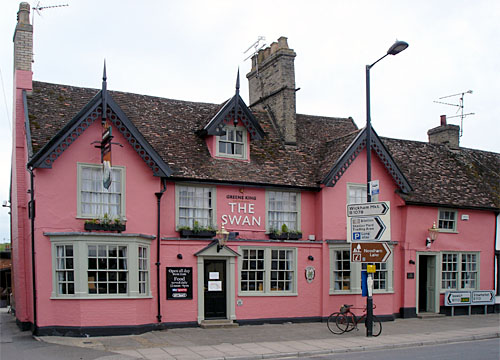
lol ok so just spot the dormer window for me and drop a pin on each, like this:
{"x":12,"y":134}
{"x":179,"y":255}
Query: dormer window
{"x":234,"y":143}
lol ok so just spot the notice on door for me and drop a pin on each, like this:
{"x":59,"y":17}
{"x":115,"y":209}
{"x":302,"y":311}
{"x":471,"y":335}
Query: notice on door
{"x":179,"y":283}
{"x":215,"y":286}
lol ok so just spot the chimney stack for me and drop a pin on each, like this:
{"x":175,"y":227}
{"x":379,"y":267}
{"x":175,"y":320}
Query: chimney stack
{"x":272,"y":86}
{"x":23,"y":39}
{"x":445,"y":134}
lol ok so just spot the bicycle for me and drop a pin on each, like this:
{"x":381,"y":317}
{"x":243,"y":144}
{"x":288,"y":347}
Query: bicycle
{"x":346,"y":320}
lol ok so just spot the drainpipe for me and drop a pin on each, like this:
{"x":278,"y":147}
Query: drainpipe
{"x":158,"y":240}
{"x":31,"y":213}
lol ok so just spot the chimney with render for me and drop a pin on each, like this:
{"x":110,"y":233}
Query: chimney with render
{"x":445,"y":134}
{"x":272,"y":86}
{"x":23,"y":39}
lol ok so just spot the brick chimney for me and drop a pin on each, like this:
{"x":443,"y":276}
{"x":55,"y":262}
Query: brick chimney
{"x":23,"y":39}
{"x":445,"y":134}
{"x":272,"y":86}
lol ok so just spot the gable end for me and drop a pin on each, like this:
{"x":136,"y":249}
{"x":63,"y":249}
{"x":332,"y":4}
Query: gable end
{"x":352,"y":152}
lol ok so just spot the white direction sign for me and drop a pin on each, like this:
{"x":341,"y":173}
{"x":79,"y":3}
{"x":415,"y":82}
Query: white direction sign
{"x":369,"y":222}
{"x":368,"y":209}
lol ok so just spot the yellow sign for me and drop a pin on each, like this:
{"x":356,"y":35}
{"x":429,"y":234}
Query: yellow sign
{"x":370,"y":268}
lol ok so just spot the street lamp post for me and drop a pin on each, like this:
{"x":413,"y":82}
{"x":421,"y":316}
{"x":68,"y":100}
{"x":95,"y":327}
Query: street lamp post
{"x":395,"y":49}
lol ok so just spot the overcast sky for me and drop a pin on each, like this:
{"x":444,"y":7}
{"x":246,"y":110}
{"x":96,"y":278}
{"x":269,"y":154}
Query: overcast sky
{"x":191,"y":50}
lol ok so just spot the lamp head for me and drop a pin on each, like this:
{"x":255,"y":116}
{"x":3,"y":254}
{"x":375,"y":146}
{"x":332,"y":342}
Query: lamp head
{"x":397,"y":47}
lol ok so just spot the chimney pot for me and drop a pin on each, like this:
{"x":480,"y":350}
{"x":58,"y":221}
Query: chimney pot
{"x":443,"y":120}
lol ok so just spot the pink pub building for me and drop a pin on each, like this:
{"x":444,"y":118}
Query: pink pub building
{"x":132,"y":213}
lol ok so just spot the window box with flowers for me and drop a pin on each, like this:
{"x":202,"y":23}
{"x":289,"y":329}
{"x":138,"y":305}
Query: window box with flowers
{"x":284,"y":234}
{"x":105,"y":223}
{"x":197,"y":231}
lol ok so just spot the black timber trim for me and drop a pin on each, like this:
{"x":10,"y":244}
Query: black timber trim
{"x":136,"y":140}
{"x":48,"y":153}
{"x":216,"y":124}
{"x":84,"y":119}
{"x":85,"y":331}
{"x":352,"y":152}
{"x":27,"y":124}
{"x":407,"y":312}
{"x":243,"y":184}
{"x":451,"y":206}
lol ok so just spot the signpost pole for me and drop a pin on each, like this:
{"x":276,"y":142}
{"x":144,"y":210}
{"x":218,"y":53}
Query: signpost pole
{"x":368,"y":129}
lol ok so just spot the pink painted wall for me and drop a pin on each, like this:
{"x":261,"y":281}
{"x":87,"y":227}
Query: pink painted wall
{"x":333,"y":226}
{"x":21,"y":233}
{"x":57,"y":210}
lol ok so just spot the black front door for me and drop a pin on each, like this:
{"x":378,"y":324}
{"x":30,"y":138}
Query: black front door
{"x":215,"y":289}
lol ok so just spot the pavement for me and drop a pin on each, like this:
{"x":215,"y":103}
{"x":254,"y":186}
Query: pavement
{"x":275,"y":341}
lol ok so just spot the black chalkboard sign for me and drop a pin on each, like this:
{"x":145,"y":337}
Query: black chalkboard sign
{"x":179,"y":283}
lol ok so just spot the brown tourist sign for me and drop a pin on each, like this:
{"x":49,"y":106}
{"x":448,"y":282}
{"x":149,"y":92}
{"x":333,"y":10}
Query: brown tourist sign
{"x":370,"y":252}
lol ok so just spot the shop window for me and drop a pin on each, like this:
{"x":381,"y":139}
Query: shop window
{"x":345,"y":277}
{"x":447,"y":220}
{"x":195,"y":206}
{"x":95,"y":267}
{"x":283,"y":208}
{"x":94,"y":200}
{"x":268,"y":271}
{"x":459,"y":271}
{"x":234,"y":143}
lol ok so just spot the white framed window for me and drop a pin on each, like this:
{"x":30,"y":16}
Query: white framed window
{"x":345,"y":277}
{"x":93,"y":199}
{"x":107,"y":270}
{"x":100,"y":266}
{"x":447,"y":220}
{"x":449,"y":271}
{"x":268,"y":271}
{"x":342,"y":275}
{"x":356,"y":193}
{"x":380,"y":276}
{"x":234,"y":143}
{"x":143,"y":270}
{"x":459,"y":271}
{"x":65,"y":270}
{"x":283,"y":208}
{"x":195,"y":206}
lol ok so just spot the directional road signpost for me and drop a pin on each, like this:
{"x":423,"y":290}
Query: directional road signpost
{"x":370,"y":252}
{"x":369,"y":222}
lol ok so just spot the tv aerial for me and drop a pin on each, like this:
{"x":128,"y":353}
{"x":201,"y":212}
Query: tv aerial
{"x":460,"y":107}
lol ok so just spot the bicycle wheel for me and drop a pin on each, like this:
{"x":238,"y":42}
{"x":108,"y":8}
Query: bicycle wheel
{"x":345,"y":322}
{"x":377,"y":326}
{"x":332,"y":323}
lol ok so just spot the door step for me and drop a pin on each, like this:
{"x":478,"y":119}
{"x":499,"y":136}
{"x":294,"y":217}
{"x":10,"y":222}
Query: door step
{"x":429,"y":315}
{"x":223,"y":323}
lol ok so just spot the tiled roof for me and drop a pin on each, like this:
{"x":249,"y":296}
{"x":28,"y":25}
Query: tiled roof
{"x":467,"y":178}
{"x":170,"y":127}
{"x":439,"y":175}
